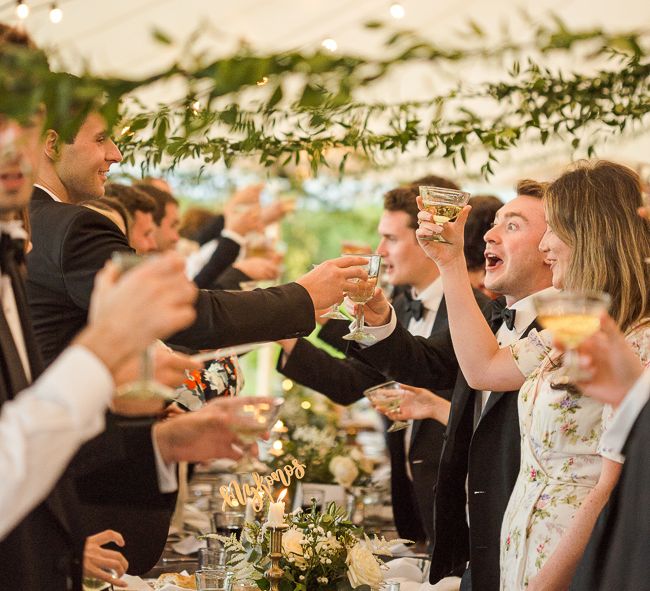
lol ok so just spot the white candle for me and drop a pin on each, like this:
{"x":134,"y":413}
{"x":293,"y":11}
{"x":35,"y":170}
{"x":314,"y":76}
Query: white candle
{"x":276,"y":514}
{"x":250,"y":511}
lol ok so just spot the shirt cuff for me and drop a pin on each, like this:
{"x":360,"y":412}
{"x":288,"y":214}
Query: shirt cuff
{"x":234,"y":236}
{"x":167,"y":478}
{"x":613,"y":440}
{"x":380,"y":332}
{"x":77,"y":367}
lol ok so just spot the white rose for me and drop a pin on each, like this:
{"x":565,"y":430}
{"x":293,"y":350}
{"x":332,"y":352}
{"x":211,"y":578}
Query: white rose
{"x":292,"y":542}
{"x":363,"y":568}
{"x":344,"y":470}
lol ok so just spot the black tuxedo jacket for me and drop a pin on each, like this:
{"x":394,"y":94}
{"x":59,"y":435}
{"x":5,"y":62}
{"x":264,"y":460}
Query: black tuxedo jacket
{"x":344,"y":380}
{"x":488,"y":458}
{"x":71,"y":243}
{"x":617,"y":554}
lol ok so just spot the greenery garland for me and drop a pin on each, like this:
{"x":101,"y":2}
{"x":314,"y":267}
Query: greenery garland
{"x":532,"y":103}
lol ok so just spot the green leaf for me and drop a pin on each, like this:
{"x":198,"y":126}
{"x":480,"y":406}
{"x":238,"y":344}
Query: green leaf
{"x":162,"y":37}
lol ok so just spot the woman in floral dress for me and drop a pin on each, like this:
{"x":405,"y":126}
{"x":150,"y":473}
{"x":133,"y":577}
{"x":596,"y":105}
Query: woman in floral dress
{"x":594,"y":242}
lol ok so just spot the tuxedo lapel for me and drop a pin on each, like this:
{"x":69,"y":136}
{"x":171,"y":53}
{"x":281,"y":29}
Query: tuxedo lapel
{"x":12,"y":367}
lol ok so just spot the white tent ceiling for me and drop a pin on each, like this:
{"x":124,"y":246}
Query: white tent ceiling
{"x":114,"y":36}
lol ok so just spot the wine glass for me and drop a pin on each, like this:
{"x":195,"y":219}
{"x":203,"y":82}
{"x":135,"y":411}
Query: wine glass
{"x":347,"y":247}
{"x":444,"y":205}
{"x":385,"y":398}
{"x":256,"y":417}
{"x":144,"y":396}
{"x":360,"y":291}
{"x":572,"y":317}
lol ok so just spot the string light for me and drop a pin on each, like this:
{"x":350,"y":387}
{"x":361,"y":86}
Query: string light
{"x":22,"y":10}
{"x":397,"y":10}
{"x":263,"y":81}
{"x":56,"y":14}
{"x":330,"y":44}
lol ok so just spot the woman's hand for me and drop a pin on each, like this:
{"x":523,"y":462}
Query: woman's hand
{"x":103,"y":564}
{"x":453,"y":232}
{"x":420,"y":403}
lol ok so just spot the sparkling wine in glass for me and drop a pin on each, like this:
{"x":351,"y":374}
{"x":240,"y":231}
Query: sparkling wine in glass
{"x":256,"y":417}
{"x":443,"y":204}
{"x":347,"y":247}
{"x":360,"y":291}
{"x":145,"y":396}
{"x":385,"y":398}
{"x":572,"y":317}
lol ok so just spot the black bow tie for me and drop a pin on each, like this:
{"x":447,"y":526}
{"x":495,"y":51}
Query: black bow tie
{"x":505,"y":315}
{"x":12,"y":251}
{"x":413,"y":306}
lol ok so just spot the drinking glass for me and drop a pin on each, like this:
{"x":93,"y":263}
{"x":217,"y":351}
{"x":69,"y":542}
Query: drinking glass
{"x":572,"y":317}
{"x":211,"y":558}
{"x":256,"y":418}
{"x":385,"y":398}
{"x":145,"y":396}
{"x":360,"y":291}
{"x":347,"y":247}
{"x":226,"y":523}
{"x":444,"y":205}
{"x":213,"y":579}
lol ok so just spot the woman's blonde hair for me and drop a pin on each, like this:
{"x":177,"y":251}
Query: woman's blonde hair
{"x":593,"y":209}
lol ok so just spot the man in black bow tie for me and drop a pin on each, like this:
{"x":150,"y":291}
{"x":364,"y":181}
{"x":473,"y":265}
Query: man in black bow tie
{"x":420,"y":309}
{"x":481,"y":450}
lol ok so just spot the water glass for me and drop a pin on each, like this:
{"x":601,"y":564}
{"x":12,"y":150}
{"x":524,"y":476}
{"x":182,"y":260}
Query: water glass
{"x":211,"y":558}
{"x":213,"y":579}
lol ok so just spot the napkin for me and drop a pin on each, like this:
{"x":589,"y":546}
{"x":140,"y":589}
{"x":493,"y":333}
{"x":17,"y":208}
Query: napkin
{"x":404,"y":569}
{"x":188,"y":545}
{"x":196,"y":519}
{"x":135,"y":583}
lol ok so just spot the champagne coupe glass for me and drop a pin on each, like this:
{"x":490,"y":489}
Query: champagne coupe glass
{"x":385,"y":398}
{"x":256,"y":417}
{"x":572,"y":317}
{"x":145,"y":396}
{"x":347,"y":247}
{"x":360,"y":291}
{"x":444,"y":205}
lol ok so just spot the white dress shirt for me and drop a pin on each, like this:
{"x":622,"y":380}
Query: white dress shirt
{"x":614,"y":438}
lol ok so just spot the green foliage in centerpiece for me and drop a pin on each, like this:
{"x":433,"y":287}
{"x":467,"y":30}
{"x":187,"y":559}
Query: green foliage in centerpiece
{"x":320,"y":551}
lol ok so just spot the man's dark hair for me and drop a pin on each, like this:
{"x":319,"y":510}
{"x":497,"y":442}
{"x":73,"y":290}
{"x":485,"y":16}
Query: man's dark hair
{"x":161,"y":198}
{"x":531,"y":188}
{"x":404,"y":198}
{"x":15,"y":36}
{"x":131,"y":198}
{"x":484,"y":208}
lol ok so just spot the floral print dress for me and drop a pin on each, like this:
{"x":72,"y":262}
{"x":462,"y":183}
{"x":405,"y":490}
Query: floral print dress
{"x":560,"y":458}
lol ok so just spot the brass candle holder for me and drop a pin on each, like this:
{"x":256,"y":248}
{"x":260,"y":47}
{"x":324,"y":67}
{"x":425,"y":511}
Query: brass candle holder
{"x":275,"y":571}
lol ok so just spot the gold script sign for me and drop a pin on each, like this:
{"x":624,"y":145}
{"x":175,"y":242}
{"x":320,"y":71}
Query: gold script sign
{"x":235,"y":495}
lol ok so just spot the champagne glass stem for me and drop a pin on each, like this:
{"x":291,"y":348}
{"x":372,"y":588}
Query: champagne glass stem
{"x":360,"y":319}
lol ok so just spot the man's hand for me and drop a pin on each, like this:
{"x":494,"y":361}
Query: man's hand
{"x":242,"y":214}
{"x":277,"y":210}
{"x":169,"y":367}
{"x":103,"y":564}
{"x":610,"y":362}
{"x":129,"y":311}
{"x":258,"y":268}
{"x":208,"y":433}
{"x":326,"y":283}
{"x":452,"y":232}
{"x":376,"y":311}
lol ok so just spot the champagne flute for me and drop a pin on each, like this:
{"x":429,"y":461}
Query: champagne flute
{"x":347,"y":247}
{"x":144,"y":396}
{"x":572,"y":317}
{"x":385,"y":398}
{"x":360,"y":291}
{"x":444,"y":205}
{"x":256,"y":418}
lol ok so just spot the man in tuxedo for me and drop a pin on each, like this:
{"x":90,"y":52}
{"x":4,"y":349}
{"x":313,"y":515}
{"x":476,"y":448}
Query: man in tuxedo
{"x":481,"y":449}
{"x":166,"y":216}
{"x":420,"y":308}
{"x":42,"y":425}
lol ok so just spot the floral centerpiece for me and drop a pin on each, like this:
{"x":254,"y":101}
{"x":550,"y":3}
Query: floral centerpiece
{"x":320,"y":551}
